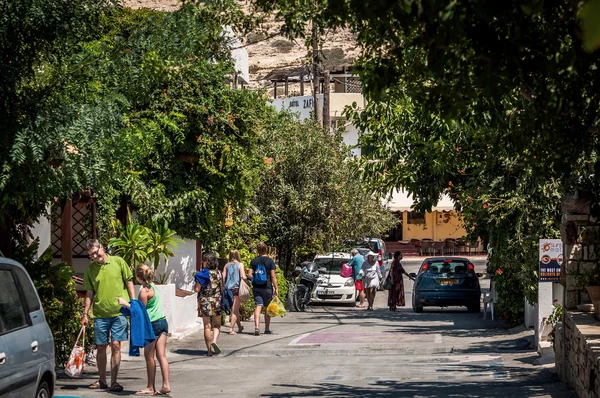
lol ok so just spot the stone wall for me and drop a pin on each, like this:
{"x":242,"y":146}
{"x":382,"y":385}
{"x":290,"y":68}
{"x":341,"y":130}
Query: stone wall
{"x":579,"y":232}
{"x":579,"y":367}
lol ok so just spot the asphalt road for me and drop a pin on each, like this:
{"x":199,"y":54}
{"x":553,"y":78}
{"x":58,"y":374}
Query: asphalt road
{"x":349,"y":352}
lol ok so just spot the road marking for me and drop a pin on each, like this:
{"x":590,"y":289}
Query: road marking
{"x":362,"y":338}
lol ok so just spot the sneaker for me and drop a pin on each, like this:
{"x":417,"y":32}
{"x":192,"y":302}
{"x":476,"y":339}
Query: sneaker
{"x":268,"y":332}
{"x":216,"y":349}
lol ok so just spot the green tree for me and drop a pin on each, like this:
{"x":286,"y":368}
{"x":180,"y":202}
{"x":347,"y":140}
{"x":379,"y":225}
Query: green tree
{"x":310,"y":193}
{"x":36,"y":36}
{"x":191,"y":140}
{"x":496,"y":104}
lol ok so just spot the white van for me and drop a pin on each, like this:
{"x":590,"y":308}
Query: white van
{"x":26,"y":343}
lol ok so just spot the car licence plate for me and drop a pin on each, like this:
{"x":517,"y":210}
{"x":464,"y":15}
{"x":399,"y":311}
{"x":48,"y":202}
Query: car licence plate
{"x":326,"y":292}
{"x":447,"y":281}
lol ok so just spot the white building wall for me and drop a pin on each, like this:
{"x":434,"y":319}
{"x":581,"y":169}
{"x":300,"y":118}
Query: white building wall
{"x":350,"y":137}
{"x":42,"y":229}
{"x":182,"y":266}
{"x":239,"y":55}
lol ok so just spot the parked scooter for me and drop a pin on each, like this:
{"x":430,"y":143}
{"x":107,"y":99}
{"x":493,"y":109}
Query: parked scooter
{"x":307,"y":278}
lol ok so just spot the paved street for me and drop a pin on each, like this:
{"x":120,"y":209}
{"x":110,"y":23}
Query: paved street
{"x":349,"y":352}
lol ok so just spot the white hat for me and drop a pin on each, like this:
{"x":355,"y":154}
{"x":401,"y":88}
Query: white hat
{"x":370,"y":253}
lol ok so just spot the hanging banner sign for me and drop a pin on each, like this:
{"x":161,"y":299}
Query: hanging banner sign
{"x":551,"y":259}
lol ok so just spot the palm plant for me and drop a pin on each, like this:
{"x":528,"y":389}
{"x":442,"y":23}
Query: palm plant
{"x":162,"y":241}
{"x":132,"y":242}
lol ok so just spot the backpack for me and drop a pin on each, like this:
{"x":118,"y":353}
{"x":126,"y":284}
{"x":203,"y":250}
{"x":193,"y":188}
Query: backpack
{"x":260,"y":275}
{"x":346,"y":271}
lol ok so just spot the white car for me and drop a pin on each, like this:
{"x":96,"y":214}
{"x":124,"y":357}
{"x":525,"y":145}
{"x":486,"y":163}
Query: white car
{"x":331,"y":287}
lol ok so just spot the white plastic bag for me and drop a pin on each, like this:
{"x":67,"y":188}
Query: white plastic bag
{"x":74,"y":366}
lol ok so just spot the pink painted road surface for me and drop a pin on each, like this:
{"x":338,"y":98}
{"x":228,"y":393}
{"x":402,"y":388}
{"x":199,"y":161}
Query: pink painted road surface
{"x":362,"y":338}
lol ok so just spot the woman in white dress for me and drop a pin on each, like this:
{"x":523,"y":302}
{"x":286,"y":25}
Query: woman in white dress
{"x":371,"y":277}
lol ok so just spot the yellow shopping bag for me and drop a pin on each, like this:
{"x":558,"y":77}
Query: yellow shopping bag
{"x":276,"y":307}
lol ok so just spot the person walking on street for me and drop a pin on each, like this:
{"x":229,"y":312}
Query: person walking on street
{"x":233,"y":274}
{"x":264,"y":285}
{"x":371,"y":277}
{"x":396,"y":293}
{"x":106,"y":278}
{"x":151,"y":299}
{"x":209,"y":303}
{"x":356,"y":264}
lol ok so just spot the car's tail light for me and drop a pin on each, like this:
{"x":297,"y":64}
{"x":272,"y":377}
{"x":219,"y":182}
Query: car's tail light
{"x":380,"y":255}
{"x":447,"y":261}
{"x":425,"y":267}
{"x":471,"y":267}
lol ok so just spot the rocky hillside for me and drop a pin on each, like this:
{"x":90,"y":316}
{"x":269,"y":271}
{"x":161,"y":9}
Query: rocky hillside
{"x":277,"y":52}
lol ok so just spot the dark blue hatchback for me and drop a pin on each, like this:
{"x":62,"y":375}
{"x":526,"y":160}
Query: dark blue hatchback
{"x":446,"y":281}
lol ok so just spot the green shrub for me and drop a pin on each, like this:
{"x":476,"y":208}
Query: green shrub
{"x":56,"y":288}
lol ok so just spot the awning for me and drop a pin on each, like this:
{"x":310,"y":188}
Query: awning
{"x":400,"y":200}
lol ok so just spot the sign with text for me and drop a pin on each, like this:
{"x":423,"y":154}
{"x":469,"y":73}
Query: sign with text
{"x":301,"y":105}
{"x":551,"y":258}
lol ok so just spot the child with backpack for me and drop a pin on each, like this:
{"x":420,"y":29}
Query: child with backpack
{"x":264,"y":285}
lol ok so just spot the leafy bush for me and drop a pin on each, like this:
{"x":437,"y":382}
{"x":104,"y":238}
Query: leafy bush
{"x":56,"y":288}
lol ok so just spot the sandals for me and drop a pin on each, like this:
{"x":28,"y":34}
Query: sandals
{"x":116,"y":387}
{"x":240,"y":329}
{"x":98,"y":385}
{"x":257,"y":332}
{"x":215,"y":347}
{"x":268,"y":332}
{"x":232,"y":332}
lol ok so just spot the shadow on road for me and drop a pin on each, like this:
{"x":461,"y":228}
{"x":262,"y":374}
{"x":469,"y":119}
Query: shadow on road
{"x":527,"y":385}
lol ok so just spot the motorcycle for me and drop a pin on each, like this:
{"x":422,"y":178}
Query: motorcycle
{"x":307,"y":278}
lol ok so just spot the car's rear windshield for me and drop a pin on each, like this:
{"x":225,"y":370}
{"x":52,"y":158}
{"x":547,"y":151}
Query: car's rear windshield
{"x":447,"y":267}
{"x":333,"y":265}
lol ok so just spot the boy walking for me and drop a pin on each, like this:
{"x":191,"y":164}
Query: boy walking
{"x":264,"y":285}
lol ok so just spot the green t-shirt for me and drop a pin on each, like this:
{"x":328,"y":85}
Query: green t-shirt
{"x":108,"y":281}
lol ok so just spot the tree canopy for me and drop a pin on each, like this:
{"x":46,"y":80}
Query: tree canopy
{"x":495,"y":104}
{"x":311,"y":196}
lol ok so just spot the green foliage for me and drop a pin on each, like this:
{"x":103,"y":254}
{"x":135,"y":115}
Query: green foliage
{"x":299,"y":204}
{"x":590,"y":23}
{"x":56,"y":288}
{"x":137,"y":110}
{"x":554,"y":318}
{"x":496,"y":106}
{"x":138,"y":243}
{"x":38,"y":35}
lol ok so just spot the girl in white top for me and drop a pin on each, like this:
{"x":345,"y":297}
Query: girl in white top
{"x":371,"y":277}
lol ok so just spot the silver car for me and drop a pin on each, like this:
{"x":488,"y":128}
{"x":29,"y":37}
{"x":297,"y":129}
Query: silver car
{"x":26,"y":343}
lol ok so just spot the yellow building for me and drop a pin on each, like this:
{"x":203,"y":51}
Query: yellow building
{"x":439,"y":224}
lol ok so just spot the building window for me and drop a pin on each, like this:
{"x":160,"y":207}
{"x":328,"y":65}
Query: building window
{"x":415,"y":217}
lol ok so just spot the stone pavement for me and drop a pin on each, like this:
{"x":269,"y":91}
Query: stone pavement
{"x":349,"y":352}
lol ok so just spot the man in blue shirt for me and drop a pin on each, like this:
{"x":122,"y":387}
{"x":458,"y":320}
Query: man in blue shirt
{"x":356,"y":263}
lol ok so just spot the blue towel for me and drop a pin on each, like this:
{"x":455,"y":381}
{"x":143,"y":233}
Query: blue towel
{"x":227,"y":301}
{"x":141,"y":333}
{"x":202,"y":277}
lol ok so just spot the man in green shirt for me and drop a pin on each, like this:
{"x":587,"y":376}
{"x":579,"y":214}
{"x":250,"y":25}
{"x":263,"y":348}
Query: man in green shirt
{"x":107,"y":278}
